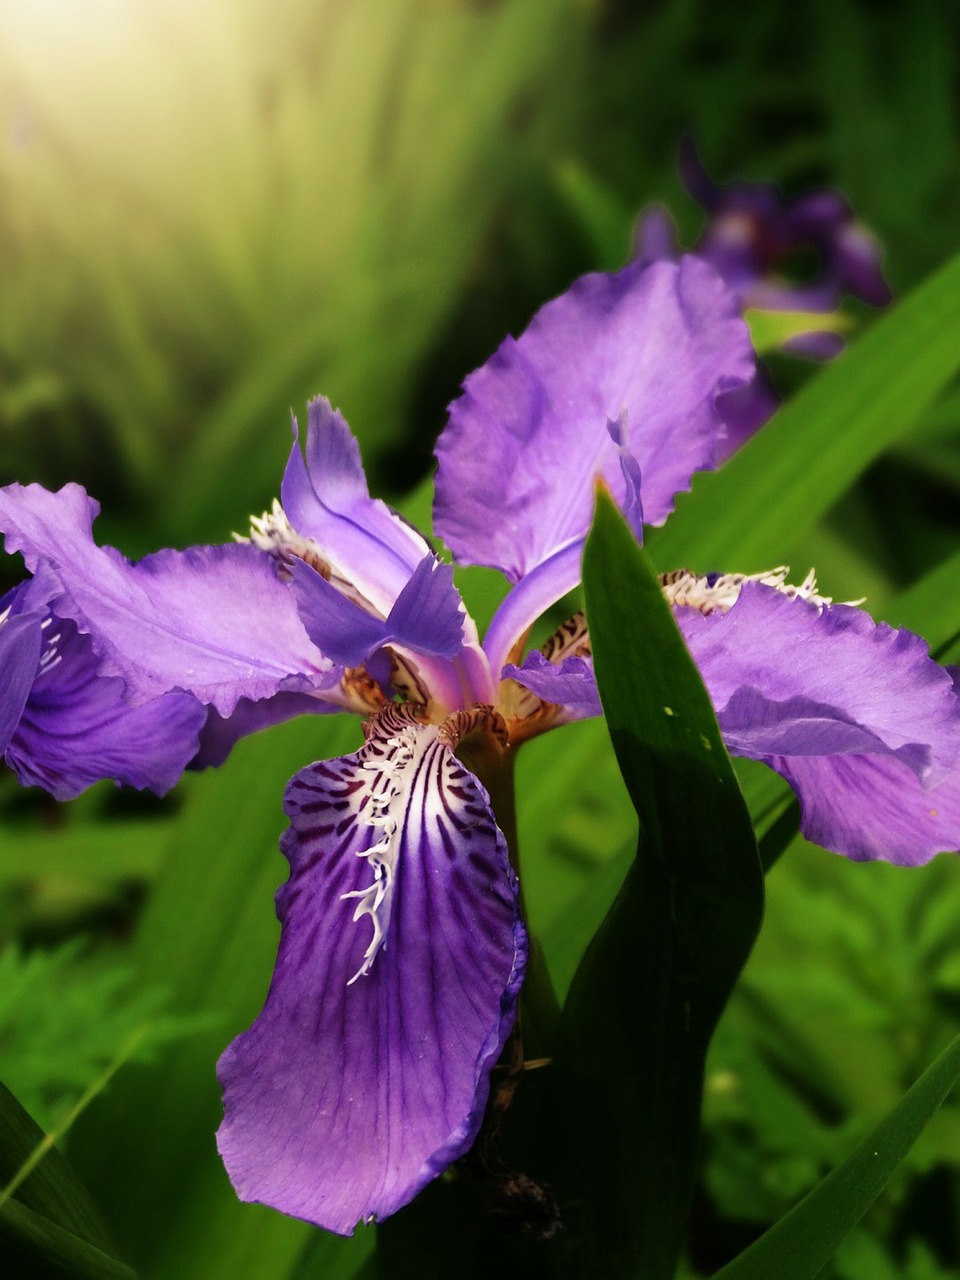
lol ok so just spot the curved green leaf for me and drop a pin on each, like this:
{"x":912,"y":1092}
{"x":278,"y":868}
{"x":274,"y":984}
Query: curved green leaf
{"x":628,"y":1069}
{"x":37,"y":1249}
{"x":52,"y":1228}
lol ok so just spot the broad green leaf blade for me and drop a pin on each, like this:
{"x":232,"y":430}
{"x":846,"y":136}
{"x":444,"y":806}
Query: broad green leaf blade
{"x":34,"y":1248}
{"x":96,"y":850}
{"x":49,"y":1226}
{"x":747,"y":515}
{"x":628,"y":1069}
{"x":804,"y":1241}
{"x":51,"y":1189}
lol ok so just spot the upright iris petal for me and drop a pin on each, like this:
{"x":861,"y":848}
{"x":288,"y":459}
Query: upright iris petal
{"x":649,"y":350}
{"x":326,"y":500}
{"x":401,"y":957}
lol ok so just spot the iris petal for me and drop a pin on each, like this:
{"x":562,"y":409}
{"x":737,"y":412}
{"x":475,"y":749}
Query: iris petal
{"x":75,"y":726}
{"x":325,"y":498}
{"x":651,"y":347}
{"x":427,"y":616}
{"x":212,"y":621}
{"x":873,"y":807}
{"x":20,"y":642}
{"x":570,"y":684}
{"x":400,"y":962}
{"x":837,"y":703}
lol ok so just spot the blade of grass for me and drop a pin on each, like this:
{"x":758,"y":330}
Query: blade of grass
{"x":803,"y":1242}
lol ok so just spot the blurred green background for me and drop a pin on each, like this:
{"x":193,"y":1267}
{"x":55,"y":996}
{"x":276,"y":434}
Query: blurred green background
{"x":209,"y":212}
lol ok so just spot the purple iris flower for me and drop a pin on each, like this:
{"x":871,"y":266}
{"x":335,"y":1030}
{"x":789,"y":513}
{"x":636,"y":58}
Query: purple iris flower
{"x":403,"y":949}
{"x":752,"y":234}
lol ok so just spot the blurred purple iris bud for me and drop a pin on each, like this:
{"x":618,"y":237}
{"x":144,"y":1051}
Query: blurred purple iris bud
{"x":402,"y":949}
{"x":752,"y":233}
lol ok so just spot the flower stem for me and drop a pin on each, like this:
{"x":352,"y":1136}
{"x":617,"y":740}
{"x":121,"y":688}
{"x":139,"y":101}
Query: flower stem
{"x":539,"y":1007}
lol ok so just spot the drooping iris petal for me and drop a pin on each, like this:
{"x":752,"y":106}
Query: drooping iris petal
{"x":570,"y":684}
{"x":427,"y":616}
{"x":870,"y":806}
{"x":813,"y":692}
{"x":326,"y":499}
{"x":400,"y":962}
{"x":76,"y":727}
{"x":213,"y":621}
{"x":21,"y":639}
{"x":650,"y":348}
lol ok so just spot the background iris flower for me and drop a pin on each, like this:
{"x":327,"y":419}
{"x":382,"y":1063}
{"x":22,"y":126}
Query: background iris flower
{"x":757,"y":237}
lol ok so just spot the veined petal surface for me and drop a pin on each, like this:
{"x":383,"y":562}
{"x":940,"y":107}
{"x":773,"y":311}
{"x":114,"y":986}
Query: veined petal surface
{"x":326,"y":499}
{"x":214,"y":621}
{"x":873,"y":807}
{"x":649,"y":348}
{"x":401,"y":957}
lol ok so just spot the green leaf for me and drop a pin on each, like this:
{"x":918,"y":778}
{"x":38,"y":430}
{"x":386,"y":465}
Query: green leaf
{"x":52,"y":1228}
{"x":804,"y":1241}
{"x":771,"y":329}
{"x":749,"y":514}
{"x":36,"y":1249}
{"x":605,"y":218}
{"x":628,"y":1069}
{"x":96,"y":850}
{"x":931,"y":607}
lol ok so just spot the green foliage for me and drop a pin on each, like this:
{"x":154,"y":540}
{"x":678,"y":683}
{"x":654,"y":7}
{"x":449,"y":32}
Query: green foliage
{"x":291,"y":205}
{"x":65,"y":1016}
